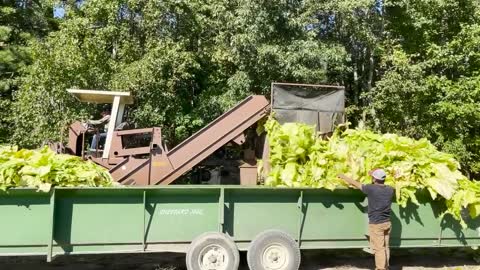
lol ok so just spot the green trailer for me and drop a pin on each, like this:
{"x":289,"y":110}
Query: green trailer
{"x":211,"y":224}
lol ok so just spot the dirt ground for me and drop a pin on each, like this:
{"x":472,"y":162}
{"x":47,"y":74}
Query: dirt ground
{"x":312,"y":260}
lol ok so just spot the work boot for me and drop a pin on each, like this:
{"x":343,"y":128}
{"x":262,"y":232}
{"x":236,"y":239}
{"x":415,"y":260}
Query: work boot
{"x":369,"y":250}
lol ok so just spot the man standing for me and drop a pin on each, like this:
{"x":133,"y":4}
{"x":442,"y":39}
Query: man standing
{"x":379,"y":207}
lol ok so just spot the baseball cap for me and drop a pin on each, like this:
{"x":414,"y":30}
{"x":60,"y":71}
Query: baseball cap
{"x":378,"y":174}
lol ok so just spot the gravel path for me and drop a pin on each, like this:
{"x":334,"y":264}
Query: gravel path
{"x":317,"y":260}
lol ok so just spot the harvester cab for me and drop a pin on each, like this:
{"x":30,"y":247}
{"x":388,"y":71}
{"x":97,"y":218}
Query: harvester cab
{"x":78,"y":130}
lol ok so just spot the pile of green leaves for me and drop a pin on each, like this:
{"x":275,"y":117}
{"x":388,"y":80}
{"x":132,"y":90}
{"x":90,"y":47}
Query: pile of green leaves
{"x":43,"y":169}
{"x":300,"y":158}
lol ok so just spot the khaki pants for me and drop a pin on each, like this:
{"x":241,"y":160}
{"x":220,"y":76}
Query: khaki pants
{"x":379,"y":242}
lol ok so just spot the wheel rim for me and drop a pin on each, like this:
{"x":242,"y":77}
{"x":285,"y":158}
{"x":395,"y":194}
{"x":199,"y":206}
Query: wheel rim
{"x":275,"y":257}
{"x":213,"y":257}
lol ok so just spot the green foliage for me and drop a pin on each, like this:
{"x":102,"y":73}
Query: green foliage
{"x":20,"y":23}
{"x":43,"y":169}
{"x":300,"y":158}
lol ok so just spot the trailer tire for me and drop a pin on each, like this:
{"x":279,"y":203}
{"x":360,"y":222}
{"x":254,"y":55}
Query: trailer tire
{"x":273,"y":250}
{"x":212,"y":250}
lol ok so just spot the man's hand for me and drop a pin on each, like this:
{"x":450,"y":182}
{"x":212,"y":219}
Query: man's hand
{"x":89,"y":128}
{"x":350,"y":181}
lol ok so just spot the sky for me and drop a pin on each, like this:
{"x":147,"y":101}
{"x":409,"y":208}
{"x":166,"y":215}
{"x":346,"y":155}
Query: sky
{"x":59,"y":9}
{"x":59,"y":12}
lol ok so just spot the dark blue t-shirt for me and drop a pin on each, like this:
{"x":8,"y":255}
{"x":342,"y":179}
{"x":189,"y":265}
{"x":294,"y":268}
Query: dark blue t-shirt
{"x":379,"y":202}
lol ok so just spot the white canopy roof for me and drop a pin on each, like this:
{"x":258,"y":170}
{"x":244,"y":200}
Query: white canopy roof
{"x":98,"y":96}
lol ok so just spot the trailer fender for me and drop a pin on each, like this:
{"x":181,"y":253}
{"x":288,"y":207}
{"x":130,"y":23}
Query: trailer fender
{"x":273,"y":250}
{"x":212,"y":251}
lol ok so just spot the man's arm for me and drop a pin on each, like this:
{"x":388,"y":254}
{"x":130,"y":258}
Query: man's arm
{"x":99,"y":122}
{"x":349,"y":180}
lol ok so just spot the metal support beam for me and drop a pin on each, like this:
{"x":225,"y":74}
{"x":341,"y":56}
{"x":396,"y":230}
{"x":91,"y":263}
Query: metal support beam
{"x":221,"y":210}
{"x":301,"y":219}
{"x":111,"y":126}
{"x":52,"y":226}
{"x":144,"y":238}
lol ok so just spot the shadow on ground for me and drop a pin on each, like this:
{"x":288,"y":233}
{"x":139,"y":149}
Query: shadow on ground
{"x":440,"y":258}
{"x":152,"y":261}
{"x":434,"y":258}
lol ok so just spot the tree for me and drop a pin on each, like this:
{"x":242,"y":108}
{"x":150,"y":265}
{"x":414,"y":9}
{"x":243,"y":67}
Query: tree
{"x":435,"y":95}
{"x":20,"y":23}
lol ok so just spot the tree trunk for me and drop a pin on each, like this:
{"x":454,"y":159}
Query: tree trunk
{"x":355,"y":80}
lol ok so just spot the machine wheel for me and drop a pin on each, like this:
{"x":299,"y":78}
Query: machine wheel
{"x":273,"y":250}
{"x":212,"y":251}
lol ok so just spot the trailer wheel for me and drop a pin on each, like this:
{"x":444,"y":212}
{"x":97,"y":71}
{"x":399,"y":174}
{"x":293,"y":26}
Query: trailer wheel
{"x":212,"y":251}
{"x":273,"y":250}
